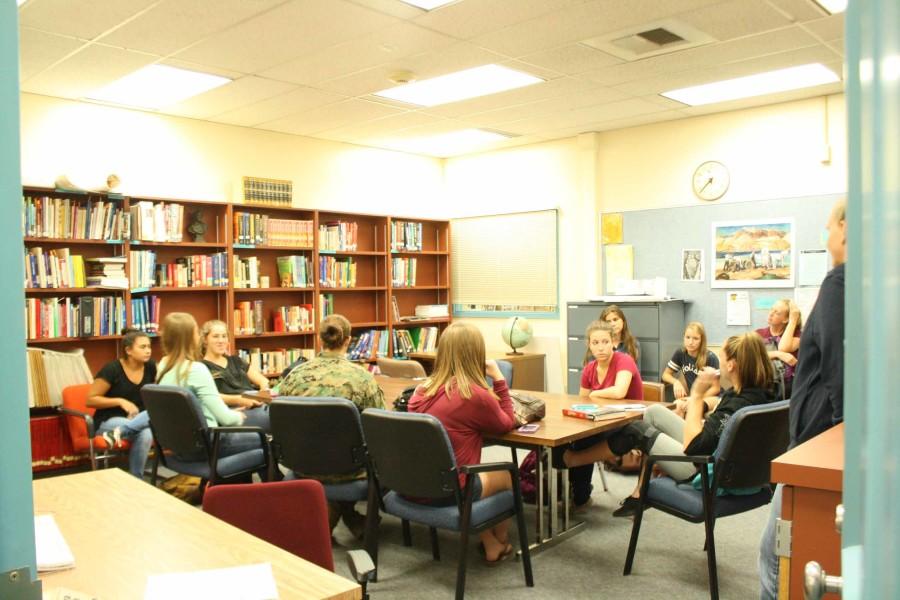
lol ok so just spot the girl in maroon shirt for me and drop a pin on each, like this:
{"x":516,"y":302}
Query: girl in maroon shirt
{"x":457,"y":394}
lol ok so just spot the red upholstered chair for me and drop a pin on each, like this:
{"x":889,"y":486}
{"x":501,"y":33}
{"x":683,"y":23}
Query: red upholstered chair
{"x":292,"y":515}
{"x":80,"y":423}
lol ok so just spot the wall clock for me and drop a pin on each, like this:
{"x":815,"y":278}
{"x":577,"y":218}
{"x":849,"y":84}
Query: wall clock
{"x":710,"y":181}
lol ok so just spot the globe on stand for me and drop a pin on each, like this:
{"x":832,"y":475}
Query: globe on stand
{"x":516,"y":332}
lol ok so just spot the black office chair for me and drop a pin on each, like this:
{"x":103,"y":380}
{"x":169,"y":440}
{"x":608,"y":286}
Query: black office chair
{"x":753,"y":437}
{"x":318,"y":437}
{"x":411,"y":455}
{"x":186,"y":444}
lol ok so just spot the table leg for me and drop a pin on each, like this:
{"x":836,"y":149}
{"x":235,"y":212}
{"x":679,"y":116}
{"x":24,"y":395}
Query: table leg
{"x":565,"y":487}
{"x":553,"y":521}
{"x":539,"y":496}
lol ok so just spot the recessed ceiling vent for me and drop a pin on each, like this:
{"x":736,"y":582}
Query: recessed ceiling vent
{"x":650,"y":39}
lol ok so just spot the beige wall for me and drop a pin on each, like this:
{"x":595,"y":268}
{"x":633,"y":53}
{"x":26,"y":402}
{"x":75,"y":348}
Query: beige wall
{"x":174,"y":157}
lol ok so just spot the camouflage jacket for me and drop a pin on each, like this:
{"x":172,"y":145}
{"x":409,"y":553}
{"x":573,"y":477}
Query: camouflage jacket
{"x":331,"y":374}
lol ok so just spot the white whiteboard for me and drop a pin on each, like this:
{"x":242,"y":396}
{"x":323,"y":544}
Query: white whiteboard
{"x":505,"y":265}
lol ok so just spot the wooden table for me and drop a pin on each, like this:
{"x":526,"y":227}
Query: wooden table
{"x":528,"y":367}
{"x":812,"y":474}
{"x":555,"y":430}
{"x":121,"y":530}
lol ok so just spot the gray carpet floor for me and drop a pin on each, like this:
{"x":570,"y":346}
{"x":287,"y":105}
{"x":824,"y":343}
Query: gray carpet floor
{"x":670,"y":563}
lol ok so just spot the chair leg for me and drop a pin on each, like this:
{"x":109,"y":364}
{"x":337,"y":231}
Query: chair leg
{"x":435,"y":545}
{"x":407,"y":535}
{"x":523,"y":538}
{"x":632,"y":543}
{"x":155,"y":473}
{"x":710,"y":522}
{"x":465,"y":520}
{"x":602,"y":476}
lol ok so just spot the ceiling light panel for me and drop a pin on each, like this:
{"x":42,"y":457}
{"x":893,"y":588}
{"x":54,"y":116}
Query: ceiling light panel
{"x":771,"y":82}
{"x":833,"y":6}
{"x":157,"y":86}
{"x":462,"y":85}
{"x":428,"y":4}
{"x":452,"y":143}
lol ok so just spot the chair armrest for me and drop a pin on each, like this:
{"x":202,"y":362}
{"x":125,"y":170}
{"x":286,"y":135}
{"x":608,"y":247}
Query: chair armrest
{"x":361,"y":566}
{"x":88,"y":419}
{"x":264,"y":445}
{"x":705,"y":459}
{"x":237,"y":429}
{"x":487,"y":467}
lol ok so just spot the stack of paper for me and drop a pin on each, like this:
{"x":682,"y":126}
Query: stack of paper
{"x":53,"y":552}
{"x":251,"y":582}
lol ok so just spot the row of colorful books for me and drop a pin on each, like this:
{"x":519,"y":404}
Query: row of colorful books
{"x":68,"y":218}
{"x":248,"y":318}
{"x":54,"y":269}
{"x":84,"y":316}
{"x":146,"y":313}
{"x":338,"y":236}
{"x":273,"y":362}
{"x":157,"y":221}
{"x":255,"y":229}
{"x":406,"y":236}
{"x":369,"y":345}
{"x":293,"y":272}
{"x":198,"y":270}
{"x":326,"y":304}
{"x":403,"y":272}
{"x":337,"y":272}
{"x":292,"y":319}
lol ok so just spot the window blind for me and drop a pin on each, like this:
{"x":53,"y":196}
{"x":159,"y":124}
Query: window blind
{"x":506,"y":265}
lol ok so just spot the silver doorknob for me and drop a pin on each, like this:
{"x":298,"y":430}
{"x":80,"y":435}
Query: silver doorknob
{"x":816,"y":583}
{"x":839,"y":517}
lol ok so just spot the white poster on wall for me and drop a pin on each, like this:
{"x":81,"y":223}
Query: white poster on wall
{"x":737,"y":308}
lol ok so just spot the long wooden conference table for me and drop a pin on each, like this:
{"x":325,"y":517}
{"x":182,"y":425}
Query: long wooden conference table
{"x":121,"y":530}
{"x":552,"y":524}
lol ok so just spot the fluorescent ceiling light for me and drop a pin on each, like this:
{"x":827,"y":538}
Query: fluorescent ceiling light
{"x":20,"y":2}
{"x":428,"y":4}
{"x":156,"y":86}
{"x":471,"y":83}
{"x":771,"y":82}
{"x":833,"y":6}
{"x":448,"y":144}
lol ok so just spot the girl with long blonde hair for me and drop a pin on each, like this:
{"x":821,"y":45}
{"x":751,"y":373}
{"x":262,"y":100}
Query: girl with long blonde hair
{"x":457,"y":394}
{"x":689,"y":360}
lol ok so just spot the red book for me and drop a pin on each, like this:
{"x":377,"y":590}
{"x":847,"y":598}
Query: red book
{"x":601,"y":412}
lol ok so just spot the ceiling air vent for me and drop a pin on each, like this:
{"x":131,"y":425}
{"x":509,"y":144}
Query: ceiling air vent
{"x":650,"y":39}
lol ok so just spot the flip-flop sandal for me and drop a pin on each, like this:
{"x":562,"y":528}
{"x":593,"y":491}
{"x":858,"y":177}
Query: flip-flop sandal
{"x":507,"y":552}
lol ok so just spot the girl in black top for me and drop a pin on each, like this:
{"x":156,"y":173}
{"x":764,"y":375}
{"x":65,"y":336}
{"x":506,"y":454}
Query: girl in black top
{"x":232,"y":375}
{"x":116,"y":394}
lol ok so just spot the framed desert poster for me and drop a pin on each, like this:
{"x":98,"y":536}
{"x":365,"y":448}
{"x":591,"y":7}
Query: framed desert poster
{"x":753,"y":254}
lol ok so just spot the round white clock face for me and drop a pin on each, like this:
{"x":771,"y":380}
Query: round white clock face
{"x":711,"y":180}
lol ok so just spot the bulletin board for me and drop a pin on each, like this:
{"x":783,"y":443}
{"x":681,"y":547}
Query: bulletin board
{"x":660,"y":235}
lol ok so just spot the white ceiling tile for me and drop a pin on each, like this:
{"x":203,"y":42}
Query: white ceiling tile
{"x":827,"y":29}
{"x":192,"y":66}
{"x":701,"y":57}
{"x":285,"y":33}
{"x":239,"y":93}
{"x":572,"y":59}
{"x":330,"y":117}
{"x":735,"y":18}
{"x":423,"y":66}
{"x":175,"y":24}
{"x":557,"y":104}
{"x":837,"y":46}
{"x":39,"y":50}
{"x":379,"y":128}
{"x":635,"y":121}
{"x":395,"y":8}
{"x":387,"y":45}
{"x":85,"y":19}
{"x":87,"y":70}
{"x":580,"y":22}
{"x":468,"y":19}
{"x":291,"y":103}
{"x":799,"y":10}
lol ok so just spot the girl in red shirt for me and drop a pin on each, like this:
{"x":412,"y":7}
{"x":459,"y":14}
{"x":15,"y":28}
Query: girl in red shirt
{"x":457,"y":394}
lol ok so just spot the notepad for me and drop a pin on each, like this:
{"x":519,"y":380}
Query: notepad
{"x":53,"y":553}
{"x":629,"y":406}
{"x":250,"y":582}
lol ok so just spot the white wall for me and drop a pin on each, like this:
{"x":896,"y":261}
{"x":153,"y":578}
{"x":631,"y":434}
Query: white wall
{"x":173,"y":157}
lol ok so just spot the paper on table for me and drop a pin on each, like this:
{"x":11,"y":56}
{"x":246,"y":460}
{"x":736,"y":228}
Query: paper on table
{"x":629,"y":406}
{"x":53,"y":553}
{"x":250,"y":582}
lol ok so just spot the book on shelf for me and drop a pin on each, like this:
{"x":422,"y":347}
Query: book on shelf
{"x":248,"y":318}
{"x":337,"y":236}
{"x":424,"y":339}
{"x":199,"y":270}
{"x":403,"y":272}
{"x":406,"y":236}
{"x":145,"y":313}
{"x":591,"y":412}
{"x":263,"y":230}
{"x":433,"y":311}
{"x":57,"y":268}
{"x":143,"y":269}
{"x":272,"y":362}
{"x":246,"y":272}
{"x":395,"y":308}
{"x":75,"y":219}
{"x":84,"y":316}
{"x":337,"y":272}
{"x":326,"y":305}
{"x":293,"y":319}
{"x":369,"y":345}
{"x":49,"y":372}
{"x":294,"y":271}
{"x":157,"y":222}
{"x":403,"y":343}
{"x":108,"y":272}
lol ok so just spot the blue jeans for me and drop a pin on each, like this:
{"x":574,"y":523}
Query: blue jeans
{"x":235,"y":443}
{"x":137,"y":431}
{"x":258,"y":417}
{"x":768,"y":561}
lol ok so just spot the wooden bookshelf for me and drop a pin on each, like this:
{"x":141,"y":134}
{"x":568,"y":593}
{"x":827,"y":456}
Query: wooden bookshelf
{"x":367,"y":304}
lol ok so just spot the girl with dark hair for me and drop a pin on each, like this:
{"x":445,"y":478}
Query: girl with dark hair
{"x":116,"y":394}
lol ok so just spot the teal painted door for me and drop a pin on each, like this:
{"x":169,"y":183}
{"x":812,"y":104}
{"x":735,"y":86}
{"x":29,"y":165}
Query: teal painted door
{"x":871,"y":532}
{"x":16,"y":511}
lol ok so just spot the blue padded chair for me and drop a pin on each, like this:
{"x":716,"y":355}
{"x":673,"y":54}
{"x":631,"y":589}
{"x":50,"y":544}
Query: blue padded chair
{"x":753,"y":437}
{"x":506,"y":368}
{"x":321,"y":436}
{"x":411,"y":455}
{"x":187,"y":445}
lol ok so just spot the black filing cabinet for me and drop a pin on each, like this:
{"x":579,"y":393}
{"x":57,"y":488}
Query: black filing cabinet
{"x":658,"y":326}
